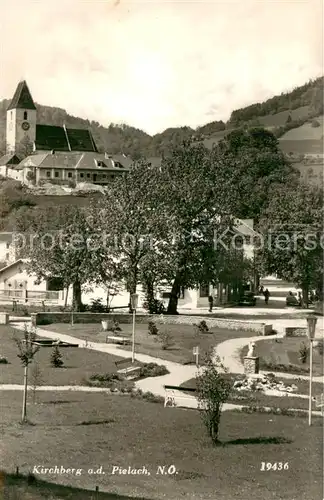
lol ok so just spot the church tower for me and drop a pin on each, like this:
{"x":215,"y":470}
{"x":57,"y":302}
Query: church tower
{"x":21,"y":121}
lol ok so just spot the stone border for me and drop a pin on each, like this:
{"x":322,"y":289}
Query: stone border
{"x":295,"y":331}
{"x":47,"y":318}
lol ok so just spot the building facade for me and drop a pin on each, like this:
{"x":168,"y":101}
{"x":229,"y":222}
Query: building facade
{"x":53,"y":154}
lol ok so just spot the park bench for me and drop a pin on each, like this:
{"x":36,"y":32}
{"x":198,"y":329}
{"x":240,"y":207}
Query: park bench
{"x":319,"y":401}
{"x":170,"y":394}
{"x":128,"y":368}
{"x":114,"y":339}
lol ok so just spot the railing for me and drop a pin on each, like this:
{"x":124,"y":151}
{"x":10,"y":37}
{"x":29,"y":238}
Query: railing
{"x":29,"y":295}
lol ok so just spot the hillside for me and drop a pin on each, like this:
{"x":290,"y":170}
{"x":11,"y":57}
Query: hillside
{"x":289,"y":116}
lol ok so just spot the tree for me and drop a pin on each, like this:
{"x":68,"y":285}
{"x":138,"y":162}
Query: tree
{"x":134,"y":226}
{"x":36,"y":379}
{"x":255,"y":165}
{"x":56,"y":356}
{"x":25,"y":147}
{"x":27,"y":350}
{"x":60,"y":247}
{"x":292,"y":237}
{"x":213,"y":390}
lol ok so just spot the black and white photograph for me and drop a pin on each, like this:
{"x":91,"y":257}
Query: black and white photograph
{"x":161,"y":249}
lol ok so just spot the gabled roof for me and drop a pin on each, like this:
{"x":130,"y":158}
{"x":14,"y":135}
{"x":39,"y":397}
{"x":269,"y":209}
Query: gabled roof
{"x":9,"y":159}
{"x":19,"y":261}
{"x":22,"y":98}
{"x":80,"y":161}
{"x":52,"y":137}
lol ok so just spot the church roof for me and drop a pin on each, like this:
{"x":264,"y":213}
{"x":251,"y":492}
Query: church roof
{"x":52,"y":137}
{"x":22,"y":98}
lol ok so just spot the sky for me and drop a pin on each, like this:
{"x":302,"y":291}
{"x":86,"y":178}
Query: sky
{"x":158,"y":64}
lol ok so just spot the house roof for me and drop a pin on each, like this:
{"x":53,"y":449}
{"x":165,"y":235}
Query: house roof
{"x":19,"y":261}
{"x":53,"y":137}
{"x":79,"y":161}
{"x":22,"y":98}
{"x":9,"y":159}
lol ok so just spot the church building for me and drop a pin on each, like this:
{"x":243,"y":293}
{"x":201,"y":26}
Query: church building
{"x":52,"y":153}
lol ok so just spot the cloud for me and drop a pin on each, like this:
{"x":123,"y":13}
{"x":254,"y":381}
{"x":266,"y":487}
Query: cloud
{"x":157,"y":64}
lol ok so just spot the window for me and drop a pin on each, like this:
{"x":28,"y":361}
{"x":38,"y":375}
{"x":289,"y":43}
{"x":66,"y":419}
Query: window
{"x":48,"y":174}
{"x":104,"y":176}
{"x":166,"y":295}
{"x":25,"y":115}
{"x":81,"y":175}
{"x":204,"y":291}
{"x":112,"y":176}
{"x":69,"y":174}
{"x":88,"y":175}
{"x":57,"y":174}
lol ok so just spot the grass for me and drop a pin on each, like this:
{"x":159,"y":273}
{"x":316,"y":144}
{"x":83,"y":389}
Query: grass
{"x":183,"y":336}
{"x":92,"y":430}
{"x":283,"y":355}
{"x":79,"y":364}
{"x":258,"y":398}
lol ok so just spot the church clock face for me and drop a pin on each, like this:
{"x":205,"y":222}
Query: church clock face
{"x":25,"y":125}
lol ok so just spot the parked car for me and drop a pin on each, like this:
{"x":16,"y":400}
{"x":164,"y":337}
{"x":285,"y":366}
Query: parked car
{"x":247,"y":299}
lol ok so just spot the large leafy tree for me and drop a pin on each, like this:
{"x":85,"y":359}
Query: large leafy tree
{"x":134,"y":227}
{"x":255,"y":165}
{"x":292,"y":237}
{"x":193,"y":189}
{"x":57,"y":245}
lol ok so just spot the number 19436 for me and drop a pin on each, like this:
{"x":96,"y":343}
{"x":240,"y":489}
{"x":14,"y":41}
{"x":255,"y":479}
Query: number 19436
{"x":274,"y":466}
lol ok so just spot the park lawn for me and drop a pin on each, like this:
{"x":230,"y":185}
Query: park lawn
{"x":302,"y":385}
{"x":79,"y":363}
{"x":92,"y":430}
{"x":285,"y":352}
{"x":184,"y":338}
{"x":258,"y":398}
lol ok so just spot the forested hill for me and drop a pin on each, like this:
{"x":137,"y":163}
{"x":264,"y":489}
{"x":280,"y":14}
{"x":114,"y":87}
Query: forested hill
{"x":280,"y":114}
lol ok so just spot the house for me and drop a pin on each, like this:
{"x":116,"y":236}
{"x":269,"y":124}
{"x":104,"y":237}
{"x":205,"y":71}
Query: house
{"x":66,"y":168}
{"x":52,"y":153}
{"x":8,"y":163}
{"x":17,"y":284}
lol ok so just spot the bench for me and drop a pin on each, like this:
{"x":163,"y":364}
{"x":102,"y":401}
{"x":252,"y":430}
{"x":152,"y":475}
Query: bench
{"x":170,"y":394}
{"x":128,"y":368}
{"x":319,"y":401}
{"x":114,"y":339}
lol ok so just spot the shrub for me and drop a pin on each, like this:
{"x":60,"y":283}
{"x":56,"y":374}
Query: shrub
{"x":153,"y":370}
{"x":154,"y":306}
{"x":106,"y":377}
{"x":201,"y":327}
{"x":97,"y":306}
{"x":152,"y":328}
{"x":303,"y":352}
{"x":165,"y":338}
{"x":213,"y":389}
{"x":71,"y":184}
{"x":44,"y":321}
{"x":56,"y":357}
{"x":3,"y":360}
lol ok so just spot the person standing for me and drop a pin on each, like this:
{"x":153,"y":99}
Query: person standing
{"x":211,"y":303}
{"x":266,"y":294}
